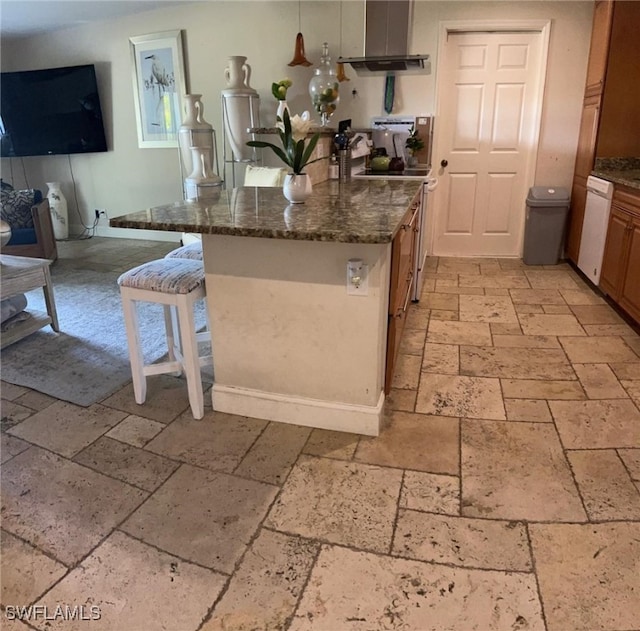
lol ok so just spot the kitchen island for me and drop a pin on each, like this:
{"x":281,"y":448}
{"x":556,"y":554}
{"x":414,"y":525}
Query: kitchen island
{"x":290,"y":343}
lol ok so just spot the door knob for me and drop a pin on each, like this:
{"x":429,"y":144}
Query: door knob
{"x":444,"y":163}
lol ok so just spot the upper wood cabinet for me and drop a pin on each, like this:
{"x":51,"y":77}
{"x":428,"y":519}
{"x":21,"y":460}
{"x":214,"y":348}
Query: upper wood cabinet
{"x":599,"y":50}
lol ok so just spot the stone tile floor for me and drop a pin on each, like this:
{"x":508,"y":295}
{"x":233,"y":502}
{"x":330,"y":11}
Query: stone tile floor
{"x":502,"y":494}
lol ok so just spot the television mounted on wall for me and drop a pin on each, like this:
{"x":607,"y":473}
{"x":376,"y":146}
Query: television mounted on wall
{"x":50,"y":112}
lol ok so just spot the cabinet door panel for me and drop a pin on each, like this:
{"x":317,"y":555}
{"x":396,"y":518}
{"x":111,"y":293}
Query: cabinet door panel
{"x":612,"y":272}
{"x":585,"y":154}
{"x":599,"y":50}
{"x":630,"y":298}
{"x":576,"y":217}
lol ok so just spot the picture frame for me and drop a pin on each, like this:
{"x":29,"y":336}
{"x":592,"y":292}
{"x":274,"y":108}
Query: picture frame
{"x":159,"y":85}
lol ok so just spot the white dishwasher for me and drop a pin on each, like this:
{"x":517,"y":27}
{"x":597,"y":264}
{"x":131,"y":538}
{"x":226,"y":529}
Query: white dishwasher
{"x":594,"y":227}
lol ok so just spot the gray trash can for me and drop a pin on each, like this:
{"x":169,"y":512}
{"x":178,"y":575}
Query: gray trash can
{"x":547,"y":211}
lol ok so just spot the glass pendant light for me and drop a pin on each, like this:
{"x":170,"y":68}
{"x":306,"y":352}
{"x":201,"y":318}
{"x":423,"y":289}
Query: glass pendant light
{"x":323,"y":88}
{"x":340,"y":72}
{"x":299,"y":56}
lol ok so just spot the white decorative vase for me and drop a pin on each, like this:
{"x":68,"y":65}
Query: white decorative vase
{"x":241,"y":108}
{"x":59,"y":211}
{"x":202,"y":182}
{"x":195,"y":132}
{"x":282,"y":106}
{"x":297,"y":187}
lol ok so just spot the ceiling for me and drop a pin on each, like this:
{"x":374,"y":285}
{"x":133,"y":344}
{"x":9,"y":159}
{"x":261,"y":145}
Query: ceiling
{"x":21,"y":18}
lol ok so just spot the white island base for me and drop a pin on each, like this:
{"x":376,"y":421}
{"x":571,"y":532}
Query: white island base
{"x":289,"y":343}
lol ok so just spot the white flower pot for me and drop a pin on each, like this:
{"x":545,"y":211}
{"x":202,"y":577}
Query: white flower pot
{"x":297,"y":188}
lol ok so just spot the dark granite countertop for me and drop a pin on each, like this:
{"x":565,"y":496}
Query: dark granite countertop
{"x":359,"y":211}
{"x":625,"y":171}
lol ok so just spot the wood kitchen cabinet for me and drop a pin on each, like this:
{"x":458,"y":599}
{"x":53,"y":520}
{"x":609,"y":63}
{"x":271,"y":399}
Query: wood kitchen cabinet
{"x":620,"y":276}
{"x":588,"y":135}
{"x":403,"y":253}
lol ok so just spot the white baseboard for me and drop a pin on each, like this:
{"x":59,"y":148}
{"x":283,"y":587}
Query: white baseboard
{"x":131,"y":233}
{"x":332,"y":415}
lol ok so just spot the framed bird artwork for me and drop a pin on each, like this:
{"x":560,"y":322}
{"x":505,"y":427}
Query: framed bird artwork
{"x":159,"y":84}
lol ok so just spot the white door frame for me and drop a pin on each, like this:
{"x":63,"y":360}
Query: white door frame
{"x":543,"y":27}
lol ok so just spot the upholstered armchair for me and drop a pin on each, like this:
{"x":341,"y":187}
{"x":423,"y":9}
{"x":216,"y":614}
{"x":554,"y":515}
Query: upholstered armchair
{"x":28,"y":216}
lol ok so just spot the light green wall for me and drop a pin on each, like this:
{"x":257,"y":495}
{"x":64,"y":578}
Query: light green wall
{"x":128,"y":178}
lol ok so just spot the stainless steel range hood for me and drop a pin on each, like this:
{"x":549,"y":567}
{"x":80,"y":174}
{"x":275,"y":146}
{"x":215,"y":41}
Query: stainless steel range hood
{"x":386,"y":41}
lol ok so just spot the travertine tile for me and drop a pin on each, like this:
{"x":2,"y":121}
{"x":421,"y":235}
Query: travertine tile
{"x":597,"y":424}
{"x":515,"y":363}
{"x":588,"y":575}
{"x":264,"y":590}
{"x":62,"y":507}
{"x":10,"y":392}
{"x":412,"y":341}
{"x":446,"y":283}
{"x":135,"y":587}
{"x":516,"y":471}
{"x":452,"y":395}
{"x":67,"y":428}
{"x":487,"y":309}
{"x":202,"y":516}
{"x":13,"y":413}
{"x":528,"y":309}
{"x":607,"y":329}
{"x":342,"y":502}
{"x":11,"y":446}
{"x":479,"y":543}
{"x":26,"y":572}
{"x":489,"y":291}
{"x":606,"y":487}
{"x":448,"y":302}
{"x":218,"y":441}
{"x":549,"y":324}
{"x":271,"y":457}
{"x":581,"y":297}
{"x":127,"y":463}
{"x":441,"y":358}
{"x":564,"y":309}
{"x":507,"y":281}
{"x":468,"y":291}
{"x":135,"y":430}
{"x":532,"y":410}
{"x":536,"y":297}
{"x":459,"y":265}
{"x":413,"y":594}
{"x":35,"y":400}
{"x":407,"y":372}
{"x":597,"y":350}
{"x":539,"y":389}
{"x":470,"y":333}
{"x":633,"y":342}
{"x":417,"y":319}
{"x":526,"y":341}
{"x":599,"y":382}
{"x":414,"y":441}
{"x":627,"y":370}
{"x":430,"y":492}
{"x":444,"y":316}
{"x":399,"y":399}
{"x":631,"y":459}
{"x":596,"y":314}
{"x":632,"y":388}
{"x":167,"y":397}
{"x":546,"y":279}
{"x":498,"y":328}
{"x":340,"y":445}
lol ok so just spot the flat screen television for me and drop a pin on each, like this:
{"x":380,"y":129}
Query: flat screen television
{"x":50,"y":112}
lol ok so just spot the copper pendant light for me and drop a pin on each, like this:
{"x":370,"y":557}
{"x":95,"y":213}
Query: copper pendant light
{"x":340,"y":73}
{"x":299,"y":57}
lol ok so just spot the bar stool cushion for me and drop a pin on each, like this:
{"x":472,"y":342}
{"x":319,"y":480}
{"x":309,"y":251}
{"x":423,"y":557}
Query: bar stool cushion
{"x":169,"y":276}
{"x":192,"y":251}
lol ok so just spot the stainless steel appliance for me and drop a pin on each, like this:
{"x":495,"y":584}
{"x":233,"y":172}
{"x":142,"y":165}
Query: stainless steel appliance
{"x":391,"y":132}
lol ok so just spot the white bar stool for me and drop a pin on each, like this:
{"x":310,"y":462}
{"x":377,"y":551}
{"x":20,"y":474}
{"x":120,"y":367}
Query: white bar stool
{"x":177,"y":284}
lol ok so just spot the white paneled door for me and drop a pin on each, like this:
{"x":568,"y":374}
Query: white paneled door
{"x":489,"y":98}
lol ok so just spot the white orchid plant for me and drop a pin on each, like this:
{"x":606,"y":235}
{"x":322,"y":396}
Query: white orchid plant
{"x":295,"y":152}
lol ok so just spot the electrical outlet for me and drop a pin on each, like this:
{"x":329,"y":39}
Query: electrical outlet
{"x":100,"y":213}
{"x":357,"y":278}
{"x":97,"y":214}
